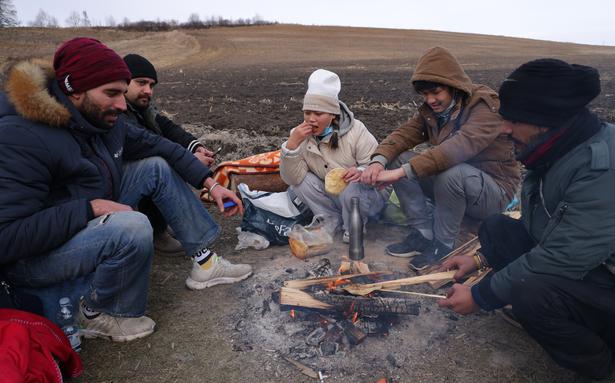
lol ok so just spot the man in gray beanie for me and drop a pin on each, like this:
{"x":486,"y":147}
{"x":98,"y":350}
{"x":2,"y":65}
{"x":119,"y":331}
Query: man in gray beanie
{"x":141,"y":110}
{"x":556,"y":265}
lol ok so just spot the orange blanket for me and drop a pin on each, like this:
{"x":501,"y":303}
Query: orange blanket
{"x":263,"y":163}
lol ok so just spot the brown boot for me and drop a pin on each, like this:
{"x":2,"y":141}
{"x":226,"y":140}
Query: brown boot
{"x":166,"y":245}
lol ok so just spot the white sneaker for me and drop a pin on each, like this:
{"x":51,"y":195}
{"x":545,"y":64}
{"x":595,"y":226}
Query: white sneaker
{"x":221,"y":272}
{"x":116,"y":329}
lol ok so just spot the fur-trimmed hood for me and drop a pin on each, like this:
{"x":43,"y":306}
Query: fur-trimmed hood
{"x":27,"y":89}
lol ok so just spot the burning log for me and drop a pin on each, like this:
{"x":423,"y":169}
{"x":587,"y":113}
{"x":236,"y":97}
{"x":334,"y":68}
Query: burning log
{"x":364,"y":305}
{"x":354,"y":334}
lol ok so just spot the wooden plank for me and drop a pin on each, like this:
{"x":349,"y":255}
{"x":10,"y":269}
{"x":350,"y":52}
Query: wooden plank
{"x":303,"y":283}
{"x":294,"y":297}
{"x":364,"y":289}
{"x":477,"y":277}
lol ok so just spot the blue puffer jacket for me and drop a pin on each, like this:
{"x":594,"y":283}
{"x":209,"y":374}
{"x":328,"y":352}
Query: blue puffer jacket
{"x":53,"y":162}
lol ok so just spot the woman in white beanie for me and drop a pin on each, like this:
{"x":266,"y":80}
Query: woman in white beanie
{"x":329,"y":138}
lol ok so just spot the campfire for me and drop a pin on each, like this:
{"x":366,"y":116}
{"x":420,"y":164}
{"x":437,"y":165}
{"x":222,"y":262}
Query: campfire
{"x":349,"y":307}
{"x":340,"y":311}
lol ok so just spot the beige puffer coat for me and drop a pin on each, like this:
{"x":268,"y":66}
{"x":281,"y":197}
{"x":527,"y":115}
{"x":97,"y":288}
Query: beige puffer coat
{"x":356,"y":145}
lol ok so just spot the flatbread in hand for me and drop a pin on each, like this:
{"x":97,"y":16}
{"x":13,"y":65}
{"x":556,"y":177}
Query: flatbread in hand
{"x":334,"y":183}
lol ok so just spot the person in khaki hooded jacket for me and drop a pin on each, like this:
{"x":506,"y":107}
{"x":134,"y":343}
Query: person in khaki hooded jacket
{"x":465,"y":163}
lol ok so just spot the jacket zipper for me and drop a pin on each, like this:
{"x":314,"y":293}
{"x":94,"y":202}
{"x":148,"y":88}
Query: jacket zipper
{"x":554,"y":222}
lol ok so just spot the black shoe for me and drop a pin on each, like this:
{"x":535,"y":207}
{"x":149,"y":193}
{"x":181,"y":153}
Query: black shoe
{"x":433,"y":254}
{"x":413,"y":244}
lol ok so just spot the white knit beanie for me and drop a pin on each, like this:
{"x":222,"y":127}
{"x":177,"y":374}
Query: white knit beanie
{"x":323,"y":88}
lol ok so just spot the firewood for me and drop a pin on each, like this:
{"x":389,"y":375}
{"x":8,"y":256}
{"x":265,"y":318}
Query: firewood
{"x":364,"y":289}
{"x":477,"y":277}
{"x":303,"y":283}
{"x":415,"y":293}
{"x":305,"y":370}
{"x":354,"y":334}
{"x":370,"y":305}
{"x":468,"y":248}
{"x":294,"y":297}
{"x":339,"y":302}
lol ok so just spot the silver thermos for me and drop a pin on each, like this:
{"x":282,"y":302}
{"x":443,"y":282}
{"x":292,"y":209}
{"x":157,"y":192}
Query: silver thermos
{"x":355,"y":249}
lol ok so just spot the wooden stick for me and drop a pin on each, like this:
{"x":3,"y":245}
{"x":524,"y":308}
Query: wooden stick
{"x":302,"y":283}
{"x":364,"y":289}
{"x":294,"y":297}
{"x":305,"y":370}
{"x":415,"y":293}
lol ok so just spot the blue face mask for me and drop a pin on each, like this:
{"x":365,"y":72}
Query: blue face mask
{"x":326,"y":132}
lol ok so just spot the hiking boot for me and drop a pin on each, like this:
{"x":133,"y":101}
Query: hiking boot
{"x":433,"y":254}
{"x":166,"y":245}
{"x":221,"y":272}
{"x":116,"y":329}
{"x":413,"y":244}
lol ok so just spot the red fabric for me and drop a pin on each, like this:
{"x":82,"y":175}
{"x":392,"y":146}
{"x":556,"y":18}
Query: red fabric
{"x":28,"y":345}
{"x":542,"y":149}
{"x":82,"y":64}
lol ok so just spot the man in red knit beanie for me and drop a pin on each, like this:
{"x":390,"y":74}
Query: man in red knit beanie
{"x":72,"y":173}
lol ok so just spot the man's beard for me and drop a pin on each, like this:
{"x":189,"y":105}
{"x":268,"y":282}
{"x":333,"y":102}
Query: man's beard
{"x":96,"y":116}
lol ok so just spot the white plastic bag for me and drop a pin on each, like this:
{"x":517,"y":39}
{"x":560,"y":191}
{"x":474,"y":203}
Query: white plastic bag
{"x":313,"y":239}
{"x":247,"y":239}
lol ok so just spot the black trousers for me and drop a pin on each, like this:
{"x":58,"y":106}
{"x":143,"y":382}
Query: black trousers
{"x":573,"y":320}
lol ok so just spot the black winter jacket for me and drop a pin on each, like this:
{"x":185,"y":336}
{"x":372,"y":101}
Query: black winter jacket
{"x":53,"y":162}
{"x":151,"y":119}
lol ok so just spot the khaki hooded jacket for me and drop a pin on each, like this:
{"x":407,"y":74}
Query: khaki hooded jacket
{"x":472,"y":135}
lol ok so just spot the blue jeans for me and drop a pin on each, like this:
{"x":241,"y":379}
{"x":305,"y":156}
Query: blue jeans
{"x":114,"y":252}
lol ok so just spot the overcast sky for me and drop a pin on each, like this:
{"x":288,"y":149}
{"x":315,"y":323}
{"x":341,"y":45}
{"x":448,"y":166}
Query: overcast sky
{"x":580,"y":21}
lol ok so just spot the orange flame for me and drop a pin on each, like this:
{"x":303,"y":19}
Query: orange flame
{"x":338,"y":282}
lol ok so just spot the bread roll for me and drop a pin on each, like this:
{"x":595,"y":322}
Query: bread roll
{"x":334,"y":183}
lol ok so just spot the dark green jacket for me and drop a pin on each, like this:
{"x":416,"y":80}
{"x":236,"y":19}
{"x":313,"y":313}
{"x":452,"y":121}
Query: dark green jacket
{"x":578,"y":192}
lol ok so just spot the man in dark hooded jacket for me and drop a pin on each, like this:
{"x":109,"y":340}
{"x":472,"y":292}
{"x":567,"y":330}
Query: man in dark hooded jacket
{"x":556,"y":265}
{"x":71,"y":172}
{"x":142,"y":111}
{"x":452,"y":151}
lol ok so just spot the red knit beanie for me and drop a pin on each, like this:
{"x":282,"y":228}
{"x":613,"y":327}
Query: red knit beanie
{"x":83,"y":63}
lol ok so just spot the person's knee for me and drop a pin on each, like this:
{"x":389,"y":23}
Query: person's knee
{"x":353,"y":189}
{"x":129,"y":228}
{"x":450,"y":180}
{"x":310,"y":183}
{"x":534,"y":300}
{"x":491,"y":226}
{"x":157,"y":165}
